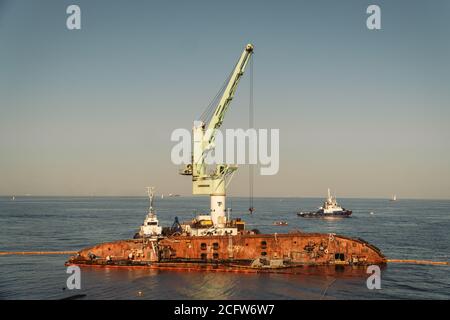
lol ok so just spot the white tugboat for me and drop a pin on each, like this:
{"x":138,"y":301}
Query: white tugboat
{"x":330,"y":208}
{"x":151,"y":227}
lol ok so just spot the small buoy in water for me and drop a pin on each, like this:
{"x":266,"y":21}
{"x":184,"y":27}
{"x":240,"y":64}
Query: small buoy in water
{"x":140,"y":293}
{"x":371,"y":212}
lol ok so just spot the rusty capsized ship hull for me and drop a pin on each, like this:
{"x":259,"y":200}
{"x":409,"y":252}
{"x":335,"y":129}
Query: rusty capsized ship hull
{"x":243,"y":252}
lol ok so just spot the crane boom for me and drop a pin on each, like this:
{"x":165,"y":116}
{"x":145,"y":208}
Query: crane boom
{"x":228,"y":94}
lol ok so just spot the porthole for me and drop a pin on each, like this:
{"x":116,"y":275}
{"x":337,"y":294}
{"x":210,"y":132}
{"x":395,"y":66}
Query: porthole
{"x":263,"y":244}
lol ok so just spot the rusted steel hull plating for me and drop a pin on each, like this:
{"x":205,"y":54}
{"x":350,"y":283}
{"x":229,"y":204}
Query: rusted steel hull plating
{"x":241,"y":253}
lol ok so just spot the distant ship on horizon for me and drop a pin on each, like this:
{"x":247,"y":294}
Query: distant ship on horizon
{"x":171,"y":195}
{"x":394,"y":198}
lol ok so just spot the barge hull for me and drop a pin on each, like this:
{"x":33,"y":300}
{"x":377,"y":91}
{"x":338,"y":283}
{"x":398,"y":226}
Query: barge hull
{"x":246,"y":253}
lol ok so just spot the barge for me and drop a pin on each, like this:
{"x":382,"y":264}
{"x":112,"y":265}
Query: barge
{"x":213,"y":240}
{"x":242,"y":252}
{"x":199,"y":245}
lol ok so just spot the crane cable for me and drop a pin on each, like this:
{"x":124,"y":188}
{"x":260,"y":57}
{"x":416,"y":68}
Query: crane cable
{"x":209,"y":111}
{"x":251,"y":125}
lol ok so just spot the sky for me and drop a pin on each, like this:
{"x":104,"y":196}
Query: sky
{"x":91,"y":111}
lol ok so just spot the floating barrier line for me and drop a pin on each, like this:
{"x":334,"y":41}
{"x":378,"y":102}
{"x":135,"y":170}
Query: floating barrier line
{"x":426,"y":262}
{"x":3,"y":253}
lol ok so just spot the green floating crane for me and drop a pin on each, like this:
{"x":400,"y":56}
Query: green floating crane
{"x":215,"y":183}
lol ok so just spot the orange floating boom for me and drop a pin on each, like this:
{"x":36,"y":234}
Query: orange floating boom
{"x":418,"y":262}
{"x":3,"y":253}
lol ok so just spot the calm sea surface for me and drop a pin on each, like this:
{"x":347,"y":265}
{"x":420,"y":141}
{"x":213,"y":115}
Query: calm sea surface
{"x":405,"y":229}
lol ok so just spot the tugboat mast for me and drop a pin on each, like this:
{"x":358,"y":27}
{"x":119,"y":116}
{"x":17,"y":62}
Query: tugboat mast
{"x":150,"y":192}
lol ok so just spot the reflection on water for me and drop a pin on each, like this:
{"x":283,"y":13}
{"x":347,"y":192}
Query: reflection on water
{"x":405,"y":229}
{"x":311,"y":283}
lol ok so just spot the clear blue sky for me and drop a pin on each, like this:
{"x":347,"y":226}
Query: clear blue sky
{"x":91,"y":111}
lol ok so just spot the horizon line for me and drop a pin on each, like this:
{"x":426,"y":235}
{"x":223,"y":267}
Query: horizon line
{"x":199,"y":196}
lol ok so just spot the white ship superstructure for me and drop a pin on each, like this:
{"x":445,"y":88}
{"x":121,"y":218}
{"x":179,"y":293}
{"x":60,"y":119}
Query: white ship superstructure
{"x":151,"y":227}
{"x":330,"y":205}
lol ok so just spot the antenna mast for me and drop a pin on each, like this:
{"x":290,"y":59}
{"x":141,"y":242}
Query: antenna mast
{"x":150,"y":192}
